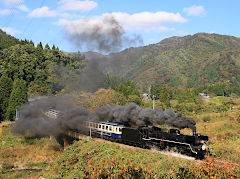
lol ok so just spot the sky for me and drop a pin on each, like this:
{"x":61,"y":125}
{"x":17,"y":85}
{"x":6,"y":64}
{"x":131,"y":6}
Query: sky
{"x":112,"y":25}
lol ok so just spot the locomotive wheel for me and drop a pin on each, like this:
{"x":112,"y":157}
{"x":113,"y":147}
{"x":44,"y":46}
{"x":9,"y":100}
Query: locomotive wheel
{"x":143,"y":146}
{"x":200,"y":157}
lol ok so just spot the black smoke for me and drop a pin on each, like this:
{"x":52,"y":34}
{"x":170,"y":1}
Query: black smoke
{"x":89,"y":80}
{"x":33,"y":119}
{"x":135,"y":116}
{"x":105,"y":35}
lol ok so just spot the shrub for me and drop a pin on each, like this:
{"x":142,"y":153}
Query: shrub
{"x":206,"y":118}
{"x":135,"y":99}
{"x":6,"y":166}
{"x":213,"y":169}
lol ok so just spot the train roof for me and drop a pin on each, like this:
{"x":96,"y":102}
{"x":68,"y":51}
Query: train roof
{"x":112,"y":124}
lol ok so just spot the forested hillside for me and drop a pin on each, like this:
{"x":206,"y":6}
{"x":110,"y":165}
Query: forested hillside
{"x":37,"y":66}
{"x":190,"y":61}
{"x":28,"y":70}
{"x":7,"y":40}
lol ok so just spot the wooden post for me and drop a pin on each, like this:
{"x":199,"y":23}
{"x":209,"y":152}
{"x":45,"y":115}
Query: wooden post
{"x":1,"y":129}
{"x":65,"y":142}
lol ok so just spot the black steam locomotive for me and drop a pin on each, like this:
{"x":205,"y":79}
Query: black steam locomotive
{"x":148,"y":137}
{"x":145,"y":137}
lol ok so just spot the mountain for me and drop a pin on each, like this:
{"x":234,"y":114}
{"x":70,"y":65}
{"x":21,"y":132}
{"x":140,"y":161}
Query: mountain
{"x":192,"y":60}
{"x":93,"y":55}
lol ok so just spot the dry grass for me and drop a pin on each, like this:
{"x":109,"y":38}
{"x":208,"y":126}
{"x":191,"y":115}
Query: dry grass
{"x":18,"y":155}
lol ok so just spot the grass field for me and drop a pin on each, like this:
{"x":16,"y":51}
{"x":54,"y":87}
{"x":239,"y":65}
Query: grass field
{"x":26,"y":158}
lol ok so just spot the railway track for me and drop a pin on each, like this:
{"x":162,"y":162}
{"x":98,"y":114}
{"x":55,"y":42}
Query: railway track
{"x":166,"y":153}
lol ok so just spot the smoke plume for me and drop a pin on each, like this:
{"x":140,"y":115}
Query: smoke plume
{"x":104,"y":34}
{"x":89,"y":80}
{"x":33,"y":119}
{"x":135,"y":116}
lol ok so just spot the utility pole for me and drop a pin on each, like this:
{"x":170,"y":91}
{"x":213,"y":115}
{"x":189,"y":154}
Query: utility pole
{"x":153,"y":101}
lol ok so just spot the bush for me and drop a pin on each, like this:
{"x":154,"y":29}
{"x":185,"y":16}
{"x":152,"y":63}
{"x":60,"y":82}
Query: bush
{"x":206,"y":118}
{"x":6,"y":166}
{"x":135,"y":99}
{"x":211,"y":168}
{"x":102,"y":160}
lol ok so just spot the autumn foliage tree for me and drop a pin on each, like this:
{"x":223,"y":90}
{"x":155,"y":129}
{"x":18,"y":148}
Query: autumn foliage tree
{"x":99,"y":98}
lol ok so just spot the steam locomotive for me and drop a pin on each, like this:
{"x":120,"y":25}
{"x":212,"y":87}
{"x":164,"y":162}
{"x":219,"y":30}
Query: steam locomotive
{"x":148,"y":137}
{"x":145,"y":137}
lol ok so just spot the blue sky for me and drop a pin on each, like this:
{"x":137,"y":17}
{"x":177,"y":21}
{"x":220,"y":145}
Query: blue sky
{"x":62,"y":22}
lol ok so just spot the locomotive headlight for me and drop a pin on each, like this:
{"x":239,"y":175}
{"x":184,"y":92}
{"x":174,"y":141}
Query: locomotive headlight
{"x":203,"y":147}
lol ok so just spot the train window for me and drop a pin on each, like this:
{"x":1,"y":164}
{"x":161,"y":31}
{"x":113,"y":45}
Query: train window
{"x":106,"y":127}
{"x":110,"y":128}
{"x":99,"y":126}
{"x":120,"y":129}
{"x":103,"y":126}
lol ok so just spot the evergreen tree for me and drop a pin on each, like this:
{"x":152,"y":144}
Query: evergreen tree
{"x":39,"y":46}
{"x":17,"y":98}
{"x":155,"y":90}
{"x":164,"y":96}
{"x":31,"y":42}
{"x":113,"y":81}
{"x":5,"y":91}
{"x":47,"y":47}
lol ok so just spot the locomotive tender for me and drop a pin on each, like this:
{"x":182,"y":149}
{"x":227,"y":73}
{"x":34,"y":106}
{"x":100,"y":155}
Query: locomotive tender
{"x":148,"y":137}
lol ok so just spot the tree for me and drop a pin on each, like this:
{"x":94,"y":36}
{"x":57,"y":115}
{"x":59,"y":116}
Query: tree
{"x":155,"y":90}
{"x":128,"y":88}
{"x":113,"y":81}
{"x":31,"y":42}
{"x":164,"y":96}
{"x":5,"y":91}
{"x":17,"y":98}
{"x":39,"y":46}
{"x":135,"y":99}
{"x":47,"y":47}
{"x":101,"y":97}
